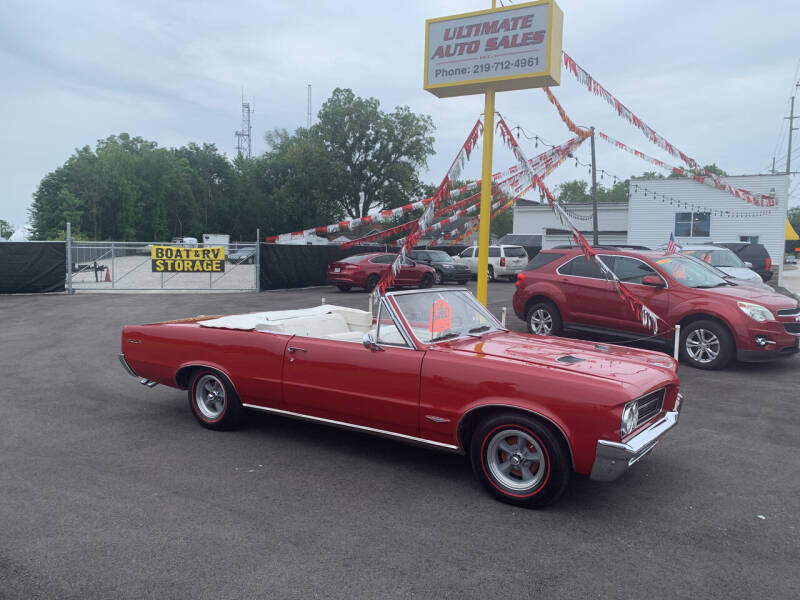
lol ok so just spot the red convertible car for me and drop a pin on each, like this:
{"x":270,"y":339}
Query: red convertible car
{"x":434,"y":368}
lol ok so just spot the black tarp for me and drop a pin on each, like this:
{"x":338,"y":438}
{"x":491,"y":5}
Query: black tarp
{"x":293,"y":266}
{"x":32,"y":267}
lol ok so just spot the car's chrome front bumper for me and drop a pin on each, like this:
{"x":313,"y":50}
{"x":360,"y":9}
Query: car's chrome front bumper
{"x":614,"y":458}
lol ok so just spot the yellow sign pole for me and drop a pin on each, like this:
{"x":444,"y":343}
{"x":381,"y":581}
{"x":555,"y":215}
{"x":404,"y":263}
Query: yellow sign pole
{"x":485,"y":222}
{"x":486,"y":195}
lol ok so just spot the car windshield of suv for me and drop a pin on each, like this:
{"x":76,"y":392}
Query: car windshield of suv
{"x":439,"y":256}
{"x":717,"y":258}
{"x":515,"y":251}
{"x":439,"y":315}
{"x":690,"y":272}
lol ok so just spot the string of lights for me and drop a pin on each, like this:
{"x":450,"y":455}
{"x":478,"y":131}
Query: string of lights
{"x":686,"y":205}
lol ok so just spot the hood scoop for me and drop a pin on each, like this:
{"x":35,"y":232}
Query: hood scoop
{"x":569,"y":359}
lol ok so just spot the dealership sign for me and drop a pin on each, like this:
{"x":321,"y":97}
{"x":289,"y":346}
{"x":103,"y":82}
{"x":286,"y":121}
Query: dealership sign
{"x":177,"y":259}
{"x":509,"y":48}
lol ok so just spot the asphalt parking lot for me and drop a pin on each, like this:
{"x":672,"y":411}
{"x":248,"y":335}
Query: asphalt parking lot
{"x":111,"y":490}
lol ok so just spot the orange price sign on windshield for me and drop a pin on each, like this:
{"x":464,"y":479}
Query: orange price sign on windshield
{"x":441,"y":315}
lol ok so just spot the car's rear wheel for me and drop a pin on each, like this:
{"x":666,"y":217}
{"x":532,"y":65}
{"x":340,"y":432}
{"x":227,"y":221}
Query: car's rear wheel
{"x":344,"y":288}
{"x":213,"y":401}
{"x":706,"y":345}
{"x":491,"y":273}
{"x":372,"y":281}
{"x":426,"y":280}
{"x":520,"y":460}
{"x":543,"y":318}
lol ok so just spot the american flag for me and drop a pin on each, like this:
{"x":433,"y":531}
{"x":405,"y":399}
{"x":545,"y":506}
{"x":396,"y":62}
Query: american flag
{"x":671,"y":249}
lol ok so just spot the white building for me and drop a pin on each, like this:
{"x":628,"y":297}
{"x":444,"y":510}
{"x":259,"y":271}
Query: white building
{"x":534,"y":218}
{"x":694,"y":212}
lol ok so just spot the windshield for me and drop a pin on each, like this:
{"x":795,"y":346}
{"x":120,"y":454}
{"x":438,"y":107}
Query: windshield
{"x":717,"y":258}
{"x":442,"y":315}
{"x":439,"y":256}
{"x":691,"y":272}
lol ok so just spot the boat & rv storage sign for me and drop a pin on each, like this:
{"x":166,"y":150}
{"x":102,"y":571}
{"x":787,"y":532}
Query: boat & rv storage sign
{"x":176,"y":259}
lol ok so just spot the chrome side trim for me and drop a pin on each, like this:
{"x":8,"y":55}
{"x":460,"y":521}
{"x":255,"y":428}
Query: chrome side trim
{"x":344,"y":425}
{"x":527,"y":410}
{"x":614,"y":458}
{"x":126,"y":366}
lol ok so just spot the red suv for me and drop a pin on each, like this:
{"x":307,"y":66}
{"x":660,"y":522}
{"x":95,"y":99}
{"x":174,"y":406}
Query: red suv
{"x":561,"y":289}
{"x":365,"y":270}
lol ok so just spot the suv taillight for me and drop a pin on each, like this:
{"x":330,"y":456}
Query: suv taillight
{"x":502,"y":261}
{"x":520,"y":279}
{"x":769,"y":263}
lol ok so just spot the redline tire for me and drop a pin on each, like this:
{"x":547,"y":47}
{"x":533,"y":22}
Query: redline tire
{"x":520,"y":460}
{"x":213,"y":401}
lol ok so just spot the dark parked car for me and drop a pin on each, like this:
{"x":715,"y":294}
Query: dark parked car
{"x":753,"y":253}
{"x":720,"y":320}
{"x":446,"y":268}
{"x":365,"y":270}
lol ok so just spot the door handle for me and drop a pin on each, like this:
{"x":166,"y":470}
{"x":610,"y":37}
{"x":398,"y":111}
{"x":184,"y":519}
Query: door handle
{"x":293,"y":349}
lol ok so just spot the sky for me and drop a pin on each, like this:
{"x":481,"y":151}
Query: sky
{"x":714,"y":78}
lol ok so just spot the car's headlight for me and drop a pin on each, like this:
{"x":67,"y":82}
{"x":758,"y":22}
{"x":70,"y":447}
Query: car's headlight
{"x":630,"y":415}
{"x":755,"y":311}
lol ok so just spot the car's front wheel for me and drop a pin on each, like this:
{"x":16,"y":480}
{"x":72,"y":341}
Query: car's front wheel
{"x":706,"y":345}
{"x":372,"y":281}
{"x":543,"y":318}
{"x":520,"y":460}
{"x":426,"y":281}
{"x":213,"y":401}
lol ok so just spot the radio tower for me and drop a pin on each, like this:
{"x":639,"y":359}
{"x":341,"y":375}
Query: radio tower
{"x":244,"y":144}
{"x":308,"y":112}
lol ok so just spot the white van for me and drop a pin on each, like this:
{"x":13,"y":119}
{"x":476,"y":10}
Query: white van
{"x":504,"y":261}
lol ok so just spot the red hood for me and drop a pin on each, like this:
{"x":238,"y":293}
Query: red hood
{"x":644,"y":369}
{"x":765,"y":297}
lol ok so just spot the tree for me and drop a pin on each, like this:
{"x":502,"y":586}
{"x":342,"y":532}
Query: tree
{"x":794,"y":218}
{"x":574,"y":191}
{"x":6,"y":229}
{"x":377,"y":154}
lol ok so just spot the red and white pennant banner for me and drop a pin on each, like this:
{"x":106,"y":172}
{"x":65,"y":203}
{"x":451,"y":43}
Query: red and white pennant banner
{"x":648,"y":318}
{"x":714,"y":181}
{"x":623,"y":111}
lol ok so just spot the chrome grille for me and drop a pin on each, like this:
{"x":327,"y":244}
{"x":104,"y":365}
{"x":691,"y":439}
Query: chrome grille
{"x":789,"y":312}
{"x":650,"y":405}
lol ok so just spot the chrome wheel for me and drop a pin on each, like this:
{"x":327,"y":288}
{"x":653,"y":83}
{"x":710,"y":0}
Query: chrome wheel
{"x":438,"y":277}
{"x":515,"y":460}
{"x":541,"y":322}
{"x":703,"y":345}
{"x":209,"y":397}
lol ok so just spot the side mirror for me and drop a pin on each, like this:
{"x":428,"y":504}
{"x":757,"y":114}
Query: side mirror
{"x":653,"y":280}
{"x":370,"y":344}
{"x":748,"y":264}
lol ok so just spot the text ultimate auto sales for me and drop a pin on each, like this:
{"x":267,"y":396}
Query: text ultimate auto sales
{"x":496,"y":42}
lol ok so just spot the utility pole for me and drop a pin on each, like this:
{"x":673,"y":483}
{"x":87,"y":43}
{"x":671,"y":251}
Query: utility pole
{"x":595,"y":241}
{"x":308,"y":111}
{"x":791,"y":129}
